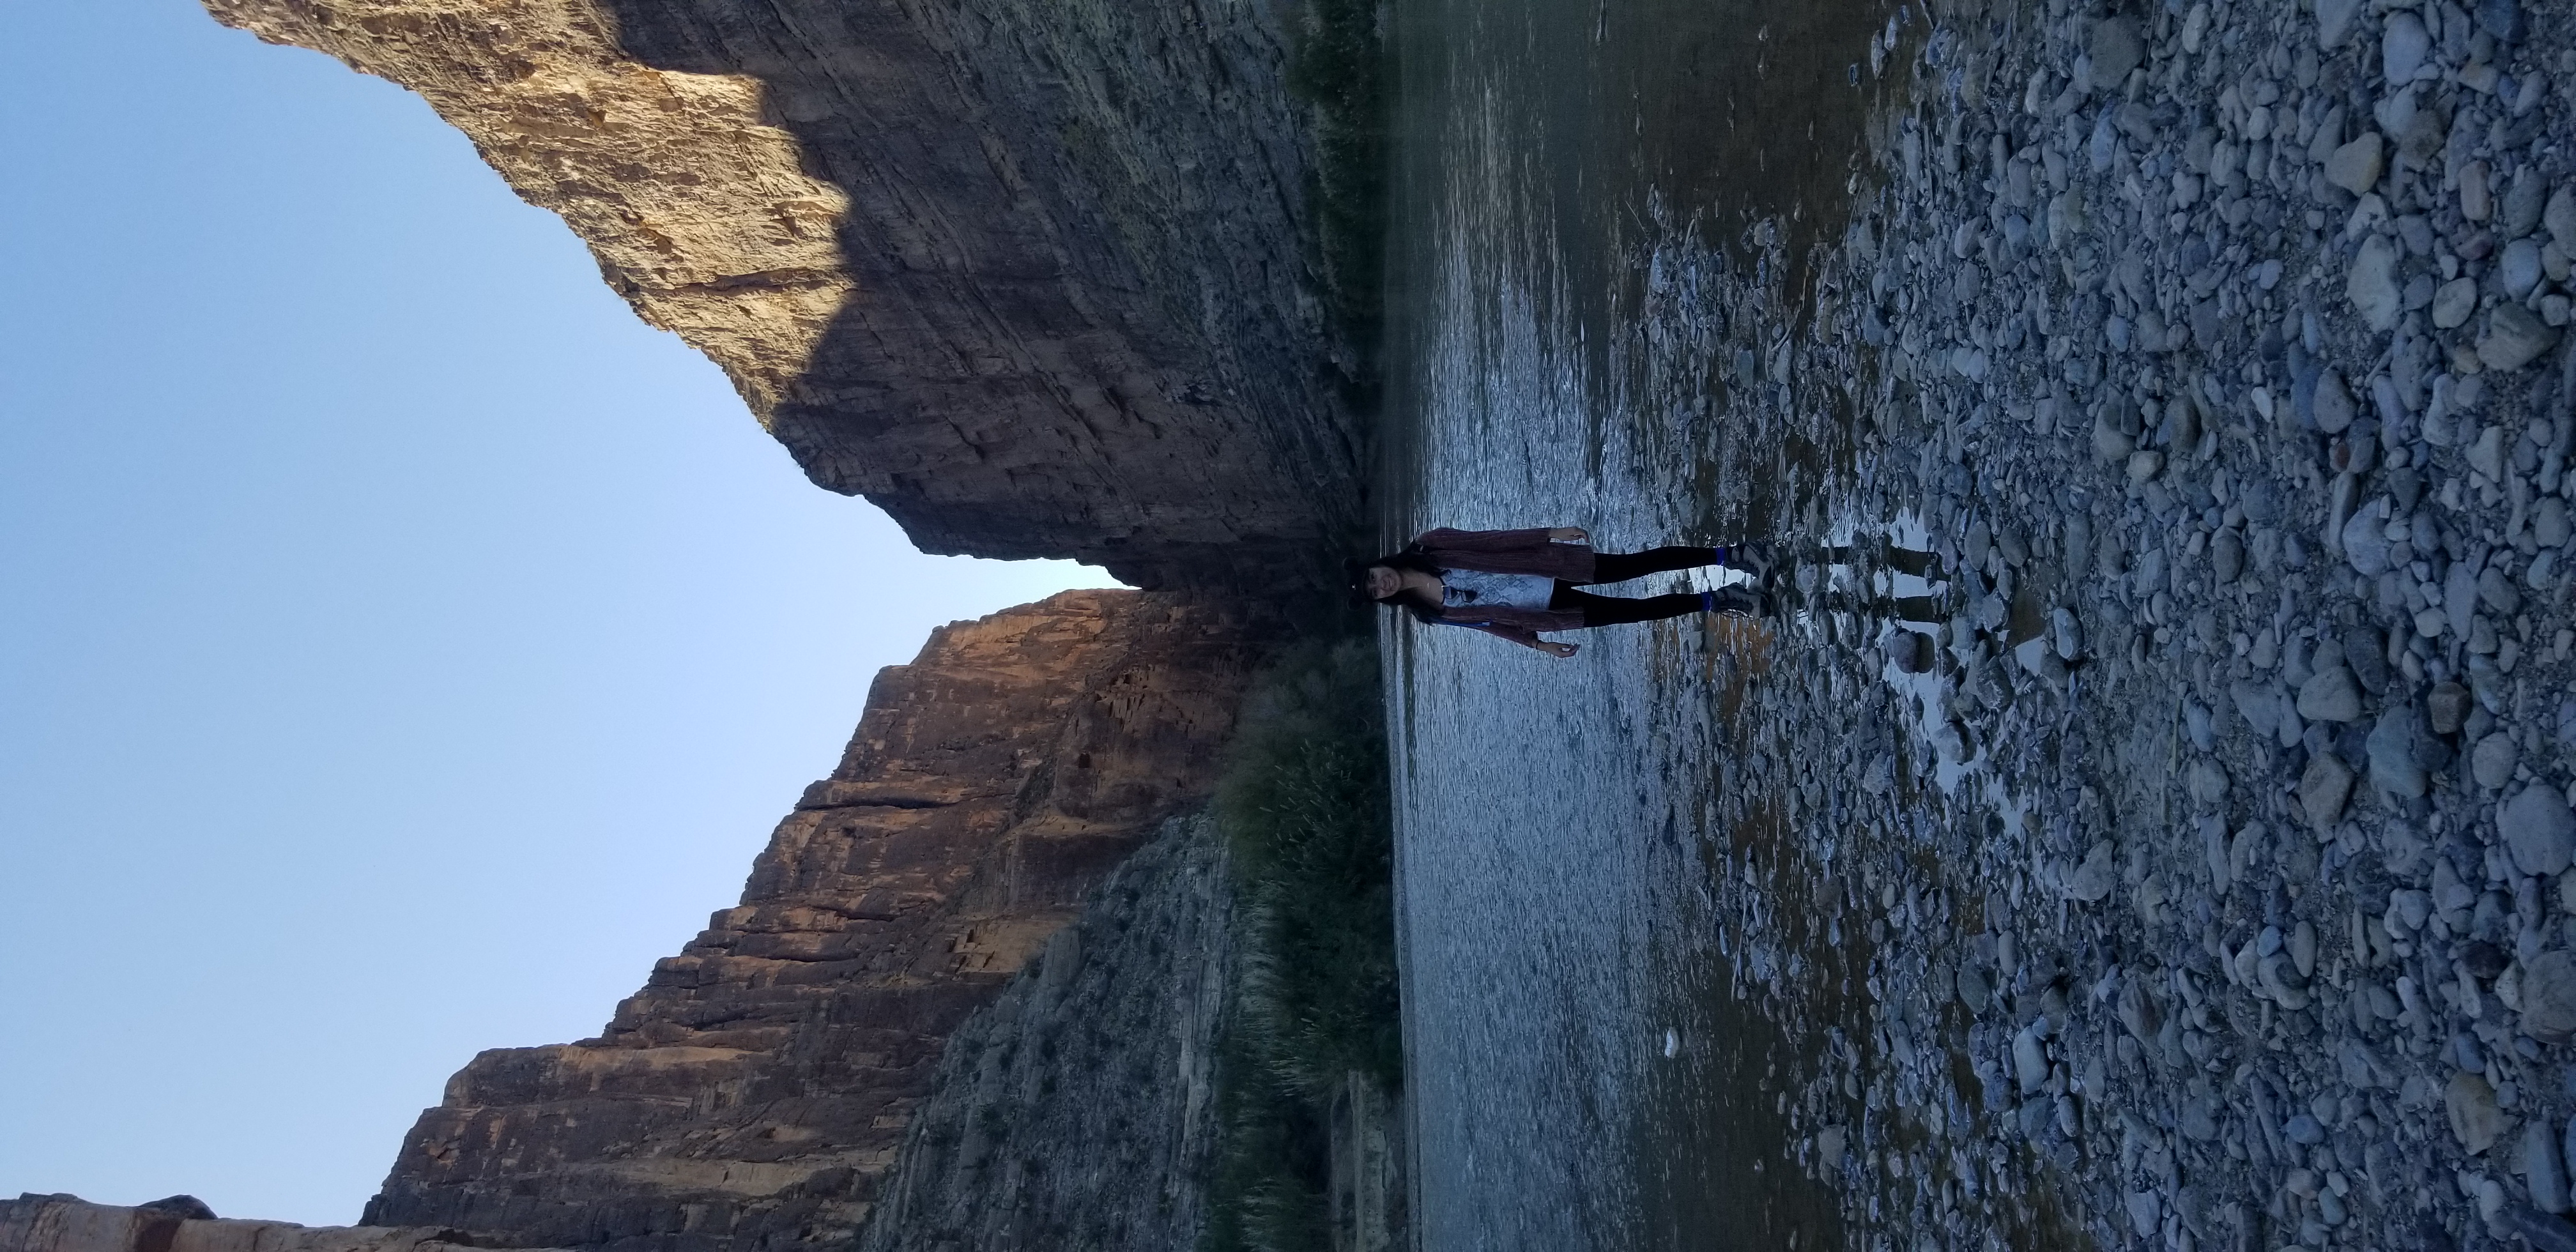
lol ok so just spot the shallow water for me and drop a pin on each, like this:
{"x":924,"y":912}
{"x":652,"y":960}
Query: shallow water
{"x":1574,"y":183}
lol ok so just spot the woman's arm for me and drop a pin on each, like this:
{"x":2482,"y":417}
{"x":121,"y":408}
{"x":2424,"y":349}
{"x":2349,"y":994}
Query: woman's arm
{"x":1447,"y":540}
{"x":1525,"y":638}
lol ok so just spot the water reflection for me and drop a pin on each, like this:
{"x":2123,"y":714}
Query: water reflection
{"x":1586,"y":1070}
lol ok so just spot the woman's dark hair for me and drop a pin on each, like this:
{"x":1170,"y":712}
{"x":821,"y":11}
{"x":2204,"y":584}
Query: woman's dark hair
{"x":1411,"y":559}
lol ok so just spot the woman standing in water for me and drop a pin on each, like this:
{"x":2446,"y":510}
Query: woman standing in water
{"x":1514,"y":584}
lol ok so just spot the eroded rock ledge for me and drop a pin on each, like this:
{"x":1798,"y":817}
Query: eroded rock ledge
{"x":753,"y":1094}
{"x":1026,"y":274}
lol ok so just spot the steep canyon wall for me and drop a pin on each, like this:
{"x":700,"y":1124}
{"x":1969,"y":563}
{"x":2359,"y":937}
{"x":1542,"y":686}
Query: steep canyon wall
{"x":1026,"y":273}
{"x":753,"y":1094}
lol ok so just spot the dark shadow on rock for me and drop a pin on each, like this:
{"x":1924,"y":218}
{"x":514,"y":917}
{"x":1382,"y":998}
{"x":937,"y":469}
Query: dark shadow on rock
{"x":1082,"y":324}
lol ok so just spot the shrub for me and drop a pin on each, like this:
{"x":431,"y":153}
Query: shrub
{"x":1305,"y":811}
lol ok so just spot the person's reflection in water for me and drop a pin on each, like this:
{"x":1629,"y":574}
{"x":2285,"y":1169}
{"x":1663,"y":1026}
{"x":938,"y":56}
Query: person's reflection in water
{"x":1927,"y":608}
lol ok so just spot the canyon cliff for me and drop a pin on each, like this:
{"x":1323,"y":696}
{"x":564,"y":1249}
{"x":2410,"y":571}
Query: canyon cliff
{"x":754,"y":1093}
{"x":1028,"y":274}
{"x":1079,"y":1109}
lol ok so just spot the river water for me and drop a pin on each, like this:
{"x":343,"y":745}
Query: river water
{"x":1584,"y":194}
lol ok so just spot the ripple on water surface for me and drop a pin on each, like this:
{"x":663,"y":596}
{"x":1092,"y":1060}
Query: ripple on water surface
{"x":1582,"y":1074}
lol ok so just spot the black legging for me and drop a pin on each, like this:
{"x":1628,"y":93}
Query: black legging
{"x":1614,"y":567}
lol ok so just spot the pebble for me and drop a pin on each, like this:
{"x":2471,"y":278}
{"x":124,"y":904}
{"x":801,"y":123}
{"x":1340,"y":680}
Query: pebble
{"x":2331,"y":696}
{"x":2524,"y":204}
{"x":2475,"y":1119}
{"x":2334,"y":22}
{"x":2116,"y":51}
{"x":2030,"y":1064}
{"x":2537,"y":828}
{"x":2333,"y":405}
{"x":2497,"y":592}
{"x":2324,"y":788}
{"x":2493,"y":761}
{"x":2403,"y":46}
{"x":2227,"y":557}
{"x":2447,"y":708}
{"x":2542,"y":1169}
{"x":2560,"y":218}
{"x":2502,"y":20}
{"x":2365,"y":539}
{"x":2550,"y":524}
{"x":2356,"y":166}
{"x":2392,"y":753}
{"x":2372,"y":285}
{"x":2549,"y":999}
{"x":1909,"y":651}
{"x":2486,"y":456}
{"x":2519,"y":268}
{"x":2091,"y":881}
{"x":2477,"y":202}
{"x":2454,"y":302}
{"x":2515,"y":338}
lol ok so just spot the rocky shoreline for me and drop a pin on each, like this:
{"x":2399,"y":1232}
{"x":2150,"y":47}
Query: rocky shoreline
{"x":2201,"y":881}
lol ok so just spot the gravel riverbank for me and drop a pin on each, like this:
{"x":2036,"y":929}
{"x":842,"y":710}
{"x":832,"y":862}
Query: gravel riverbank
{"x":2202,"y":880}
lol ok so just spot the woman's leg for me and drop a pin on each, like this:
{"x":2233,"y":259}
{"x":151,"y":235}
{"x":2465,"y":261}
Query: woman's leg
{"x":1615,"y":611}
{"x":1619,"y":567}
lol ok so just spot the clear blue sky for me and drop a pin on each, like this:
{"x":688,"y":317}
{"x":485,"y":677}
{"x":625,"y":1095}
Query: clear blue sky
{"x":401,"y":646}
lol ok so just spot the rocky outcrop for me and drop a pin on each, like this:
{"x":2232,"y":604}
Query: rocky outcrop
{"x":67,"y":1223}
{"x":1026,"y":273}
{"x":752,"y":1095}
{"x":1078,"y":1109}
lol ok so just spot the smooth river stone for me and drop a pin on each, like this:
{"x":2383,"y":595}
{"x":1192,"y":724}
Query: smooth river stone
{"x":2330,"y":696}
{"x":2549,"y":997}
{"x":2538,"y":830}
{"x":2514,"y":338}
{"x":2454,"y":303}
{"x":2391,"y":748}
{"x":2402,"y":48}
{"x":2333,"y":405}
{"x":2372,"y":285}
{"x":2116,"y":51}
{"x":2356,"y":166}
{"x":2475,"y":1119}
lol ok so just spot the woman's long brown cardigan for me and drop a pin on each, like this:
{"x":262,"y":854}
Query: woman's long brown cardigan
{"x":1527,"y":551}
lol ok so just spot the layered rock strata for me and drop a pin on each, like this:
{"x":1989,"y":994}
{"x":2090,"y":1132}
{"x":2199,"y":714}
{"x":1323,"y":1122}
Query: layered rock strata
{"x":67,"y":1223}
{"x":1024,"y":274}
{"x":1077,"y":1110}
{"x":752,"y":1095}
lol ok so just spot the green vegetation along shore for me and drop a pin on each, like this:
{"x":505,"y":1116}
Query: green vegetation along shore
{"x":1305,"y":811}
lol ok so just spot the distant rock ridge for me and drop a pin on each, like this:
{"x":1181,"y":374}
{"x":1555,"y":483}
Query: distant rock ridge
{"x":1026,"y":273}
{"x":753,"y":1094}
{"x":67,"y":1223}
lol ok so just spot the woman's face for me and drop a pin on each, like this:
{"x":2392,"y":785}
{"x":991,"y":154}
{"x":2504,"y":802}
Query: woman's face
{"x":1383,"y":582}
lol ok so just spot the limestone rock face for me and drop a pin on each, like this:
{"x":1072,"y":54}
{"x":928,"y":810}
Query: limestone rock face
{"x":753,"y":1094}
{"x":1027,"y":274}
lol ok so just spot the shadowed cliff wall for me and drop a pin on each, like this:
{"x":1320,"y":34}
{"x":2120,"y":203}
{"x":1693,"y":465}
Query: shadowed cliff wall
{"x":753,"y":1094}
{"x":1026,"y":273}
{"x":1077,"y":1110}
